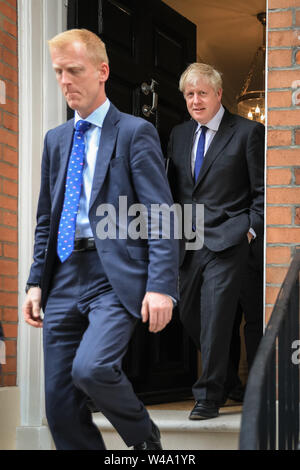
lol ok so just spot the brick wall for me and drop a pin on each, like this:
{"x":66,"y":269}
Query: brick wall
{"x":9,"y":186}
{"x":283,"y":153}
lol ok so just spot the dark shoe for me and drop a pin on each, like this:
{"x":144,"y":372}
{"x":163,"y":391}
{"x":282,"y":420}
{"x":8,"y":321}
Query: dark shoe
{"x":153,"y":442}
{"x":205,"y":409}
{"x":237,"y":394}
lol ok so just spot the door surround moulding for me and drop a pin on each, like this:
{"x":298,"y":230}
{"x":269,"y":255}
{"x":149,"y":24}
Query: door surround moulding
{"x":41,"y":107}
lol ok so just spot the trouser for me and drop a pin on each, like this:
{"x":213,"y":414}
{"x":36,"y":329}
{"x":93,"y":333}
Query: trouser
{"x":210,"y":284}
{"x":251,"y":305}
{"x":86,"y":335}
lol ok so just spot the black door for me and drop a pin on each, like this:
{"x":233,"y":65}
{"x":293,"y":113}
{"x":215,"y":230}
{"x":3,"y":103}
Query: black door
{"x":149,"y":45}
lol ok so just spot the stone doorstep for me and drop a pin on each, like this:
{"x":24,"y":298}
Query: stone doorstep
{"x":175,"y":421}
{"x":178,"y":432}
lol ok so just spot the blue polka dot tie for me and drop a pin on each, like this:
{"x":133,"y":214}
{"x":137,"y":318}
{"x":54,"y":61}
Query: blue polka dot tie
{"x":67,"y":225}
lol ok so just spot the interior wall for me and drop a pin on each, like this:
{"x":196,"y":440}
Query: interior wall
{"x":228,"y":35}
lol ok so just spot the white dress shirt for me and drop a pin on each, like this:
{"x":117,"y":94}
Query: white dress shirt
{"x":212,"y":127}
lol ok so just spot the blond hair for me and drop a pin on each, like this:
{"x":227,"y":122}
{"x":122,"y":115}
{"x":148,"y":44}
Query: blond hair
{"x":95,"y":47}
{"x":204,"y":71}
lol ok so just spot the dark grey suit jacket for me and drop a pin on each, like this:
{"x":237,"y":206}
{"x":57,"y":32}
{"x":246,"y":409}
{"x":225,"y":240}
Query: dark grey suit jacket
{"x":230,"y":183}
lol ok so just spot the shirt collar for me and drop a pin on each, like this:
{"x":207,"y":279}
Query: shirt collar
{"x":215,"y":122}
{"x":96,"y":117}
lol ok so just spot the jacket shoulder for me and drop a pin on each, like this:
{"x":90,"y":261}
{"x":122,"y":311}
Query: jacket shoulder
{"x":130,"y":122}
{"x":183,"y":130}
{"x":60,"y":129}
{"x":245,"y":123}
{"x":184,"y":126}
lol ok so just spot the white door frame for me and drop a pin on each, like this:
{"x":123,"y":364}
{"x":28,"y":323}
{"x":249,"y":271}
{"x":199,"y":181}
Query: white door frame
{"x":41,"y":107}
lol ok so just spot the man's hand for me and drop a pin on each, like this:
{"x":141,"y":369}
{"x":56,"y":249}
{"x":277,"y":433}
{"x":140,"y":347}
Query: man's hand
{"x":32,"y":307}
{"x":157,"y":308}
{"x":249,"y":236}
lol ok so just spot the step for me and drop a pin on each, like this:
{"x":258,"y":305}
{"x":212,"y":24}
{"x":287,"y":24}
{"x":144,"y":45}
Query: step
{"x":179,"y":433}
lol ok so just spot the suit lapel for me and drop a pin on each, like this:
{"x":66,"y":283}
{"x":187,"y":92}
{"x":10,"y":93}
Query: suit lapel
{"x":108,"y":139}
{"x":65,"y":146}
{"x":220,"y":140}
{"x":189,"y":141}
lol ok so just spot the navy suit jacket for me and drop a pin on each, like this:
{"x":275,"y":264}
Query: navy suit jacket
{"x":129,"y":163}
{"x":230,"y":183}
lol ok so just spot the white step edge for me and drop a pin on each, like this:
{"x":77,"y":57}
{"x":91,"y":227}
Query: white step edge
{"x":169,"y":420}
{"x":178,"y":432}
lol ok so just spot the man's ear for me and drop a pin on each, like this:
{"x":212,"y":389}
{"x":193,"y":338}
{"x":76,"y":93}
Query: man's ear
{"x":103,"y":71}
{"x":219,"y":94}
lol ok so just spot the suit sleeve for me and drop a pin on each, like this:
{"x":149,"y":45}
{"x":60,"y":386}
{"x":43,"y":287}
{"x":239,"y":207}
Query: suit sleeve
{"x":151,"y":186}
{"x":43,"y":221}
{"x":171,"y":174}
{"x":255,"y":160}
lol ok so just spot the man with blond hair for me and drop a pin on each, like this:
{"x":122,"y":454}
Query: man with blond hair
{"x":215,"y":159}
{"x":94,"y":289}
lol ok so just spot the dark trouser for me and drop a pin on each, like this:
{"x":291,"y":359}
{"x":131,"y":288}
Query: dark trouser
{"x":86,"y":334}
{"x":209,"y":288}
{"x":251,"y":305}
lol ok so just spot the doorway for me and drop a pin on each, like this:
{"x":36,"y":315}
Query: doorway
{"x":229,"y":34}
{"x":148,"y":45}
{"x":150,"y":42}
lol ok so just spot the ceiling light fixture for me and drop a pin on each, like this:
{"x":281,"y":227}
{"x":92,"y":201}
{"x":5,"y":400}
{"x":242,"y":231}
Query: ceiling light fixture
{"x":251,"y":100}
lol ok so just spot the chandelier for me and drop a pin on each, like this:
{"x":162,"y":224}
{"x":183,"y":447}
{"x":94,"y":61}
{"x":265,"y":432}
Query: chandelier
{"x":251,"y":100}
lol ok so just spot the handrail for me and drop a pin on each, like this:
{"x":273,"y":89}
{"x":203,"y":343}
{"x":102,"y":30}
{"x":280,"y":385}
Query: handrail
{"x":270,"y":418}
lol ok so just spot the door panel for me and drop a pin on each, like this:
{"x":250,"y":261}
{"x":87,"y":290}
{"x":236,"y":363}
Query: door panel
{"x":146,"y":40}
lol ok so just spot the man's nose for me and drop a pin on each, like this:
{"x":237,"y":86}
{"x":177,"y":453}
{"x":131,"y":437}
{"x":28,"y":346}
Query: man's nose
{"x":65,"y":78}
{"x":196,"y":98}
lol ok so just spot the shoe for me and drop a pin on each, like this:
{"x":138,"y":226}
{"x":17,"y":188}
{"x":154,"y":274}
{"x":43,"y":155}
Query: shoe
{"x":205,"y":409}
{"x":237,"y":394}
{"x":153,"y":442}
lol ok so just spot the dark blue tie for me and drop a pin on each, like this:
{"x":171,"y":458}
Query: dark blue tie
{"x":67,"y":225}
{"x":200,"y":152}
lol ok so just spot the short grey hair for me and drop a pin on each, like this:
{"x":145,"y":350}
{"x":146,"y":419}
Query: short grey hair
{"x":198,"y":70}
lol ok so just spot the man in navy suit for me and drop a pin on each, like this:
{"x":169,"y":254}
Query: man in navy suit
{"x":215,"y":159}
{"x":93,"y":298}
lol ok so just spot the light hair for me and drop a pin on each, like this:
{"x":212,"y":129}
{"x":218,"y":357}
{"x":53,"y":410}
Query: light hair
{"x":95,"y":47}
{"x":204,"y":71}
